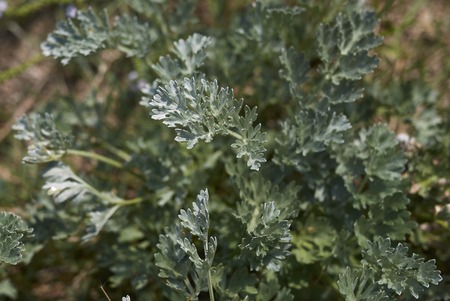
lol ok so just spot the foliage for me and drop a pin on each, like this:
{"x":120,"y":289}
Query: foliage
{"x":13,"y":230}
{"x":300,"y":190}
{"x":206,"y":111}
{"x":47,"y":144}
{"x":390,"y":268}
{"x":180,"y":260}
{"x":91,"y":32}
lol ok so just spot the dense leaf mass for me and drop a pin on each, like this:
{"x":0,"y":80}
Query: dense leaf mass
{"x":297,"y":171}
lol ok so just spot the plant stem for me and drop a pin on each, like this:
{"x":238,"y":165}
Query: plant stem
{"x":95,"y":156}
{"x":362,"y":185}
{"x":92,"y":189}
{"x":234,"y":134}
{"x":122,"y":202}
{"x":210,"y":287}
{"x":32,"y":7}
{"x":104,"y":292}
{"x":16,"y":70}
{"x":111,"y":200}
{"x":118,"y":152}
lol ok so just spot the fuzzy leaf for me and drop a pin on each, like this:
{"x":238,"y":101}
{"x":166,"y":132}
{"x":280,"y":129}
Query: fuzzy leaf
{"x":98,"y":221}
{"x":12,"y":231}
{"x":312,"y":131}
{"x":343,"y":46}
{"x":428,"y":125}
{"x":240,"y":280}
{"x":273,"y":291}
{"x":256,"y":190}
{"x":197,"y":220}
{"x":358,"y":285}
{"x":266,"y":242}
{"x":398,"y":271}
{"x":200,"y":111}
{"x":381,"y":155}
{"x":190,"y":55}
{"x":175,"y":249}
{"x":132,"y":36}
{"x":46,"y":142}
{"x":345,"y":92}
{"x":191,"y":52}
{"x":167,"y":69}
{"x":149,"y":8}
{"x":63,"y":185}
{"x":251,"y":138}
{"x":7,"y":289}
{"x":87,"y":34}
{"x":388,"y":217}
{"x":295,"y":70}
{"x":173,"y":262}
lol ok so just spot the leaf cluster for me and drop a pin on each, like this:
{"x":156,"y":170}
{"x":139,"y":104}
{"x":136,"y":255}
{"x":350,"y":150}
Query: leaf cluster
{"x":317,"y":193}
{"x":386,"y":269}
{"x":46,"y":142}
{"x":12,"y":232}
{"x":200,"y":111}
{"x":89,"y":32}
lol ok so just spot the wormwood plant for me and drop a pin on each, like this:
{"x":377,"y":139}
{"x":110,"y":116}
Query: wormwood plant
{"x":246,"y":167}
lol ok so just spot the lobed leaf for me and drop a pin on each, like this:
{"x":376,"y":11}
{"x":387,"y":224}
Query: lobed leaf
{"x":197,"y":220}
{"x":46,"y":142}
{"x":200,"y":111}
{"x":398,"y":271}
{"x":173,"y":263}
{"x":176,"y":248}
{"x":295,"y":70}
{"x":63,"y":185}
{"x":271,"y":290}
{"x":190,"y":55}
{"x":312,"y":131}
{"x":358,"y":285}
{"x":381,"y":155}
{"x":266,"y":241}
{"x":256,"y":189}
{"x":87,"y":34}
{"x":389,"y":217}
{"x":133,"y":37}
{"x":98,"y":220}
{"x":12,"y":230}
{"x":191,"y":52}
{"x":343,"y":46}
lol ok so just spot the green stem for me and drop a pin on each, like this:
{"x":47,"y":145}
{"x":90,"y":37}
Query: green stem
{"x":210,"y":286}
{"x":95,"y":156}
{"x":362,"y":185}
{"x":189,"y":287}
{"x":122,"y":202}
{"x":92,"y":189}
{"x":118,"y":152}
{"x":32,"y":7}
{"x":111,"y":200}
{"x":16,"y":70}
{"x":254,"y":221}
{"x":234,"y":134}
